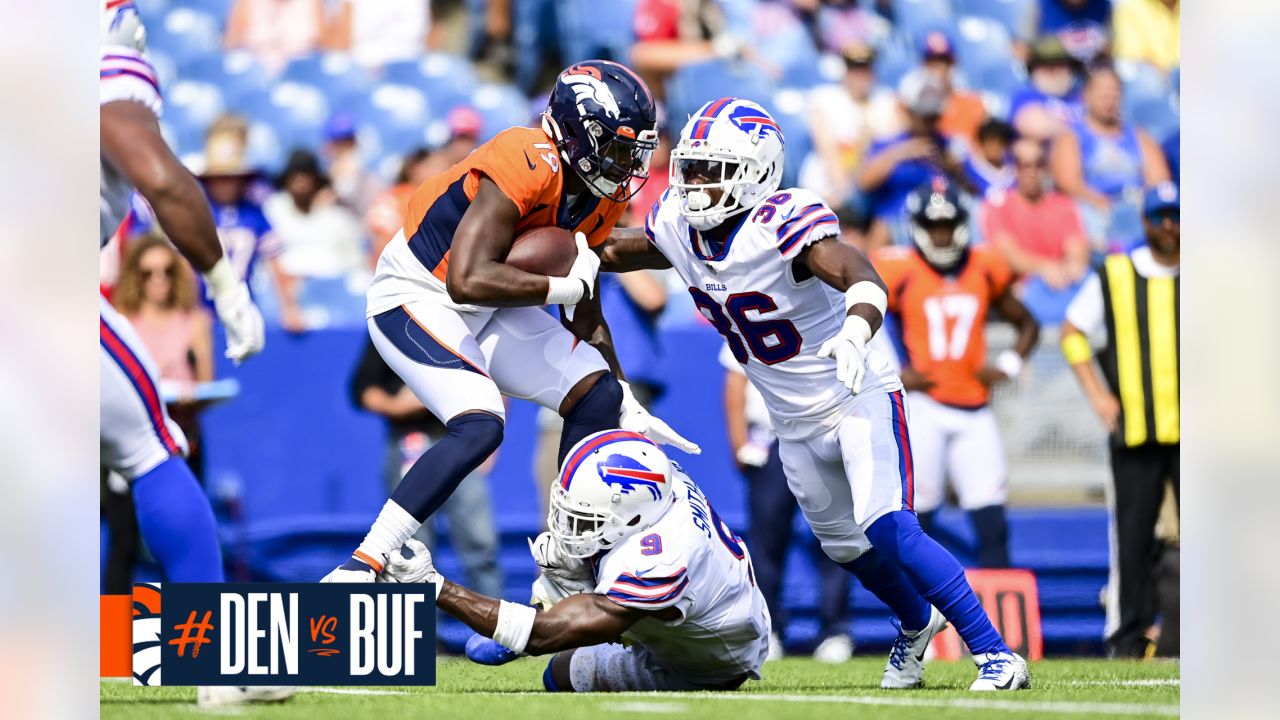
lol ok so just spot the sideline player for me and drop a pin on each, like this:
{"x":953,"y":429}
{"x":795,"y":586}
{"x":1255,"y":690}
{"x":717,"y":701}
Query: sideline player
{"x":940,"y":291}
{"x":137,"y":439}
{"x":462,"y":328}
{"x":797,"y":307}
{"x":635,"y":551}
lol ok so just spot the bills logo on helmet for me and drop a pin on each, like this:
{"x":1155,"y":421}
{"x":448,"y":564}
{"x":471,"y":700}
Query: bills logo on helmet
{"x":587,"y":85}
{"x":753,"y":122}
{"x":629,"y":475}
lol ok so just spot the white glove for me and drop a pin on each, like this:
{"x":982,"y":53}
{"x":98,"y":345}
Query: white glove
{"x":416,"y":567}
{"x":353,"y":570}
{"x":553,"y":561}
{"x":580,"y":283}
{"x":240,"y":317}
{"x":849,"y":348}
{"x":752,"y":455}
{"x":636,"y":419}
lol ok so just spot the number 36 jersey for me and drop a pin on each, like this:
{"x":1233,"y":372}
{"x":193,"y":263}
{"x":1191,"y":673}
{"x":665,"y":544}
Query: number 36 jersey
{"x":773,"y":313}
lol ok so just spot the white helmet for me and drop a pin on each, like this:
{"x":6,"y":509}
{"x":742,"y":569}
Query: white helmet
{"x":613,"y":484}
{"x":736,"y":141}
{"x":120,"y":24}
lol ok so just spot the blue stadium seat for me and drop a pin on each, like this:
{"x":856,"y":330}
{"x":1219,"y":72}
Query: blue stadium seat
{"x":501,"y":107}
{"x":265,"y":152}
{"x":917,"y":17}
{"x":789,"y":107}
{"x":295,"y":112}
{"x":981,"y":43}
{"x":217,"y":8}
{"x":1143,"y":84}
{"x":185,"y":34}
{"x":590,"y":30}
{"x":447,"y":80}
{"x":236,"y":72}
{"x":152,"y":10}
{"x":1017,"y":16}
{"x":392,"y":119}
{"x":190,"y":107}
{"x":894,"y":59}
{"x":1157,"y":115}
{"x":336,"y":74}
{"x":690,"y":87}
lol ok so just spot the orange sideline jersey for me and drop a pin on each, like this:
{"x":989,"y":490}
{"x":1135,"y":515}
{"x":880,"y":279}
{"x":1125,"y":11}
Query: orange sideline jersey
{"x":941,"y":317}
{"x":523,"y":163}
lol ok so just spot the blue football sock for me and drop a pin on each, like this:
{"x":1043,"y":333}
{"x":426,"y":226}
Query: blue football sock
{"x":887,"y":582}
{"x":468,"y":440}
{"x":596,"y":411}
{"x":176,"y":521}
{"x":937,"y":576}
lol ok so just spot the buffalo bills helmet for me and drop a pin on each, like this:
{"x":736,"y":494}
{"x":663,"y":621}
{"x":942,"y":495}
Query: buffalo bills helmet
{"x":603,"y":120}
{"x":120,"y":25}
{"x":612,"y":485}
{"x":937,"y":206}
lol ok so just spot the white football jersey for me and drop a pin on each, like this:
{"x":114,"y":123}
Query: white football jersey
{"x":772,"y":322}
{"x":124,"y":74}
{"x":690,"y":560}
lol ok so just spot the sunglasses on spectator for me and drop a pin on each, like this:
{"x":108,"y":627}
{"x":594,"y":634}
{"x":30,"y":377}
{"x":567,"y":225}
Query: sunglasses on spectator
{"x":1159,"y":216}
{"x":857,"y":64}
{"x":167,"y":271}
{"x":1023,"y":164}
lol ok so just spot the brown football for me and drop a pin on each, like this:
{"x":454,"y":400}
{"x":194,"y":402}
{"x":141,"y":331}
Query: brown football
{"x":544,"y":251}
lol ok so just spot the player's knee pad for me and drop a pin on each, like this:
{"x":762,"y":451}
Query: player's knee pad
{"x":480,"y":431}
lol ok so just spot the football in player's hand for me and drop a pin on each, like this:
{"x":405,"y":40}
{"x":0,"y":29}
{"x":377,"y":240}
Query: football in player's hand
{"x":544,"y":251}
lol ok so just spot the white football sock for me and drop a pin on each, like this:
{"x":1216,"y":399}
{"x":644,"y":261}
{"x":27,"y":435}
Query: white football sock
{"x":392,"y":528}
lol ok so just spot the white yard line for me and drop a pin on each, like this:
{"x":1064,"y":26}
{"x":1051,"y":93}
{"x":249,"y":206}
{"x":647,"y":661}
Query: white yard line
{"x":1149,"y":682}
{"x":349,"y":691}
{"x":646,"y":707}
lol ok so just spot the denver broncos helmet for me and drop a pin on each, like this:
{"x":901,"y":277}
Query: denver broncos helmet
{"x":603,"y":120}
{"x":612,"y":485}
{"x":937,"y":205}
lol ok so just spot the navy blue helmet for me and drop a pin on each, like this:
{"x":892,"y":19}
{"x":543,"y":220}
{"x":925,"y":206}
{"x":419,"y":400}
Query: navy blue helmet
{"x":603,"y":120}
{"x":938,"y":204}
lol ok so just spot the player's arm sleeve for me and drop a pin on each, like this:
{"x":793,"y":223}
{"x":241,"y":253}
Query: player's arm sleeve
{"x":126,"y":75}
{"x":805,"y":221}
{"x":525,"y":173}
{"x":642,"y":586}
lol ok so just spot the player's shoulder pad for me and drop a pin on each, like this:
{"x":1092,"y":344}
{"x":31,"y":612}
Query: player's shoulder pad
{"x":664,"y":211}
{"x":127,"y":74}
{"x":649,"y":571}
{"x":795,"y":217}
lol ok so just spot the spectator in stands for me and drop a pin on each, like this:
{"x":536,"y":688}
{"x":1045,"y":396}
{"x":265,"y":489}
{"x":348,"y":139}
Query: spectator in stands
{"x":671,"y":33}
{"x":411,"y":430}
{"x":988,"y":167}
{"x":1050,"y":102}
{"x":385,"y":217}
{"x":771,"y":511}
{"x":465,"y":125}
{"x":247,"y":237}
{"x":897,"y":165}
{"x":1040,"y":234}
{"x":275,"y":31}
{"x":841,"y":23}
{"x":354,"y":184}
{"x":1147,"y":31}
{"x":321,"y":237}
{"x":377,"y":32}
{"x":1081,"y":25}
{"x":962,"y":111}
{"x":1104,"y":162}
{"x":157,"y":293}
{"x":841,"y":120}
{"x":1130,"y":307}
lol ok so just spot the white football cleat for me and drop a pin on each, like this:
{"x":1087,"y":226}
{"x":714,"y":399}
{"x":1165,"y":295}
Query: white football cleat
{"x":905,"y":668}
{"x":222,"y":696}
{"x":776,"y":650}
{"x":1001,"y":671}
{"x":835,"y":649}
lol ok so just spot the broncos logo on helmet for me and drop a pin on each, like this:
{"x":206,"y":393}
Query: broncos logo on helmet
{"x":588,"y":86}
{"x":629,"y":475}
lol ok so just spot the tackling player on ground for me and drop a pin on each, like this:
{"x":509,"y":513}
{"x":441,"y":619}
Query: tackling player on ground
{"x":635,"y":552}
{"x":137,"y":439}
{"x":462,"y":328}
{"x":797,"y":307}
{"x":941,"y":292}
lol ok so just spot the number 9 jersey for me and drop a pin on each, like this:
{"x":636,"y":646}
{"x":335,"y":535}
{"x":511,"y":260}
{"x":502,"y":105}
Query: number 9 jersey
{"x":773,"y":312}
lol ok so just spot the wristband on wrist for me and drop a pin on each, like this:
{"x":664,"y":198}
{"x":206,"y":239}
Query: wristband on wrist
{"x":866,"y":292}
{"x":858,"y":327}
{"x":222,"y":277}
{"x":1009,"y":362}
{"x":565,"y":291}
{"x":515,"y":625}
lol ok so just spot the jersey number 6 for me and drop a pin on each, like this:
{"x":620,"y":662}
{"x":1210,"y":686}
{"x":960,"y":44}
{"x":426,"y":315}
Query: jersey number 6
{"x":771,"y":341}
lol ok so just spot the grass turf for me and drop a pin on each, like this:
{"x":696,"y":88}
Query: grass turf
{"x":792,"y":688}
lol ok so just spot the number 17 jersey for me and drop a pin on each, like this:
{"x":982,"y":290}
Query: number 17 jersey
{"x":772,"y":312}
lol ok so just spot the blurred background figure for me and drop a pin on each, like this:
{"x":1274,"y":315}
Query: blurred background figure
{"x":321,"y":237}
{"x":673,"y":33}
{"x":385,"y":216}
{"x":1104,"y":163}
{"x":771,"y":513}
{"x":989,"y":167}
{"x":1050,"y":101}
{"x":275,"y":31}
{"x":1083,"y":26}
{"x":962,"y":111}
{"x":377,"y":32}
{"x":1147,"y":31}
{"x":354,"y":183}
{"x":247,"y":237}
{"x":1129,"y":309}
{"x":411,"y":430}
{"x":1039,"y":233}
{"x":464,"y":125}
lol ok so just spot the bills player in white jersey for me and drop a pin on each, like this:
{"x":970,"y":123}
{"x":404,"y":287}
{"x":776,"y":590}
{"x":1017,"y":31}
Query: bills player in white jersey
{"x":137,"y":438}
{"x":797,"y":307}
{"x":635,"y":552}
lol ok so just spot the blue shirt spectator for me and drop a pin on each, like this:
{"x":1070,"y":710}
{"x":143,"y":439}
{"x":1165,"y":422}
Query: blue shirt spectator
{"x":1050,"y":101}
{"x":1081,"y":25}
{"x":988,"y":167}
{"x":1173,"y":155}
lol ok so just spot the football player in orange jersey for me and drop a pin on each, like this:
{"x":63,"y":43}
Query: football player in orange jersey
{"x":462,"y":328}
{"x":940,"y":292}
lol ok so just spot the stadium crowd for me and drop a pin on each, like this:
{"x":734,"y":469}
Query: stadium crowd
{"x":309,"y":122}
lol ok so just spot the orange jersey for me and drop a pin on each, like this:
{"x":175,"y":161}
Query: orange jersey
{"x":525,"y":166}
{"x":941,"y":317}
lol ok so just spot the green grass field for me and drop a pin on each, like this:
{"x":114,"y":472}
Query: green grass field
{"x":792,"y":688}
